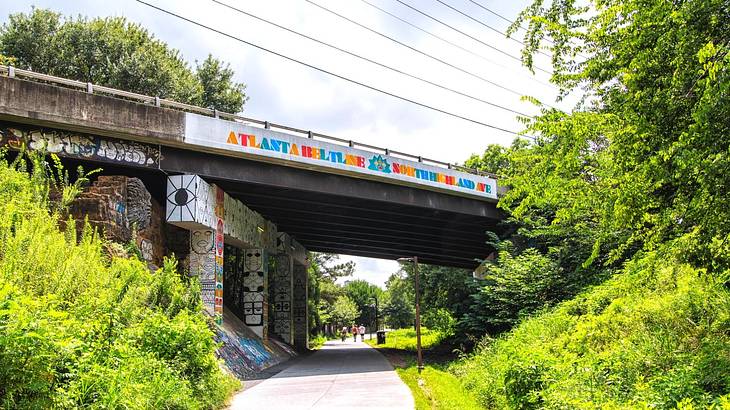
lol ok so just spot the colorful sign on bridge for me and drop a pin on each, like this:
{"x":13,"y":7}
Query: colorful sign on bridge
{"x":264,"y":144}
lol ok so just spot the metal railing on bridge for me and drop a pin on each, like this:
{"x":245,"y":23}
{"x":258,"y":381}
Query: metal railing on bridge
{"x":90,"y":88}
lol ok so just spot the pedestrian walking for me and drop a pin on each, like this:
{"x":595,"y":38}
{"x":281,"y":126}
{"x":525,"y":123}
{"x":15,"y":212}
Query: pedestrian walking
{"x":343,"y":333}
{"x":361,"y":330}
{"x":354,"y":331}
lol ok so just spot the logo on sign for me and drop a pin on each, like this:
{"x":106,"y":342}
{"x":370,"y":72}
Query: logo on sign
{"x":378,"y":163}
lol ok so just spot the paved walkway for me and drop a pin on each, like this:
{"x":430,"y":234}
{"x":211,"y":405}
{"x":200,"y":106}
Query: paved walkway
{"x":338,"y":376}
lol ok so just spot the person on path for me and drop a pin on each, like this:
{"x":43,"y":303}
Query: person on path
{"x":362,"y":332}
{"x":343,"y":332}
{"x":354,"y":332}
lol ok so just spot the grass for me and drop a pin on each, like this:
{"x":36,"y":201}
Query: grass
{"x":405,"y":339}
{"x":82,"y":326}
{"x":656,"y":335}
{"x":316,"y":343}
{"x":435,"y":387}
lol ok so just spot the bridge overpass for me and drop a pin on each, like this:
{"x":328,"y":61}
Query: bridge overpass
{"x":254,"y":189}
{"x":327,"y":206}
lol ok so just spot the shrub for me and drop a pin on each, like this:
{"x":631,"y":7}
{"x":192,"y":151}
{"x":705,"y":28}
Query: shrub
{"x":79,"y":328}
{"x":440,"y":320}
{"x":656,"y":335}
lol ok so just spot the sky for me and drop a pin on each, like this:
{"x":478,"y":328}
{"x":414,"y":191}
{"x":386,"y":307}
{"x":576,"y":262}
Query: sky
{"x":287,"y":93}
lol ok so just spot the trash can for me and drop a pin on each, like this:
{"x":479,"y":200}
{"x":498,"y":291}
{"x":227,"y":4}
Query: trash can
{"x":381,"y":337}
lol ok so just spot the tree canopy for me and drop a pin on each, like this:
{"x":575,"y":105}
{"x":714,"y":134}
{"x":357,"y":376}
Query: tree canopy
{"x":115,"y":53}
{"x":645,"y":159}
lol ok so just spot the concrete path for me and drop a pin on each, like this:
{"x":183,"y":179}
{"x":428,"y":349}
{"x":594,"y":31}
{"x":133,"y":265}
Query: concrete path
{"x":338,"y":376}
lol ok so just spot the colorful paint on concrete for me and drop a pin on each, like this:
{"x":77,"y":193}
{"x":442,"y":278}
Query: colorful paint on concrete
{"x":254,"y":290}
{"x":219,"y":244}
{"x":282,"y":295}
{"x":299,"y":307}
{"x":78,"y":145}
{"x":243,"y":352}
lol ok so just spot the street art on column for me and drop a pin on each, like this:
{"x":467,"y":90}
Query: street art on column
{"x":254,"y":290}
{"x":282,"y":284}
{"x":195,"y":205}
{"x":203,"y":265}
{"x":219,"y":244}
{"x":299,"y":307}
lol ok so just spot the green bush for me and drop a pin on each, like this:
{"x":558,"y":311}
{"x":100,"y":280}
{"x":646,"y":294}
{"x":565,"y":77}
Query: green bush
{"x":79,"y":328}
{"x":656,"y":335}
{"x":440,"y":320}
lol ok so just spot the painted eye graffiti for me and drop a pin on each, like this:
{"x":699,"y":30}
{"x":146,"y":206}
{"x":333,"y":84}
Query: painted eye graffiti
{"x":183,"y":196}
{"x":180,"y":197}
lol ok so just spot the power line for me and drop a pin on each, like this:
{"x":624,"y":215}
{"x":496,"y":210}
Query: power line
{"x":454,"y":44}
{"x":512,"y":22}
{"x":380,"y":64}
{"x":486,"y":25}
{"x":326,"y":71}
{"x":495,"y":13}
{"x":477,"y":76}
{"x":467,"y":35}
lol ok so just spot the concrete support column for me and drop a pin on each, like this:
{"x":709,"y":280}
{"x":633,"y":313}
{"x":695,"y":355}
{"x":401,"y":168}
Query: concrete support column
{"x":206,"y":244}
{"x":299,"y":307}
{"x":203,"y":265}
{"x":282,"y":295}
{"x":255,"y":301}
{"x":219,"y":245}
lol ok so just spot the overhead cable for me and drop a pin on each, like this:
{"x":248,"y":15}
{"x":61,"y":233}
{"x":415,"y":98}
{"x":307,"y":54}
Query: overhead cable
{"x":381,"y":64}
{"x":170,"y":13}
{"x":485,"y":25}
{"x":533,"y":78}
{"x":423,"y":53}
{"x":468,"y":35}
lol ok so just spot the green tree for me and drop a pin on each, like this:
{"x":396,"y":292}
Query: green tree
{"x":399,"y":302}
{"x":363,"y":294}
{"x":115,"y":53}
{"x":324,"y":270}
{"x":219,"y":89}
{"x":645,"y":158}
{"x":344,"y":312}
{"x":495,"y":158}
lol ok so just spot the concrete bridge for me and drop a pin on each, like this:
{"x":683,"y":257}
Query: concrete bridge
{"x":246,"y":200}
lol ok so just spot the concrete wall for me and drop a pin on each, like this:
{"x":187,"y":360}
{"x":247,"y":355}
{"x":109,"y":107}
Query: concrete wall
{"x":43,"y":104}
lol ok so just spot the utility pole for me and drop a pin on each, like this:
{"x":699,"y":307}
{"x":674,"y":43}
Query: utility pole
{"x":418,"y":310}
{"x":418,"y":317}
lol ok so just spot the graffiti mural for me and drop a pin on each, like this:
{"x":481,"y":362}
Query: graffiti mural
{"x":299,"y":307}
{"x":181,"y":198}
{"x":254,"y":290}
{"x":78,"y":145}
{"x":219,"y":245}
{"x":145,"y":248}
{"x":243,"y":352}
{"x":282,"y":294}
{"x":202,"y":264}
{"x":191,"y":202}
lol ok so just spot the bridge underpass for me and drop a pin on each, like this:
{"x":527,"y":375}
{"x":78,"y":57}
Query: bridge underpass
{"x":261,"y":204}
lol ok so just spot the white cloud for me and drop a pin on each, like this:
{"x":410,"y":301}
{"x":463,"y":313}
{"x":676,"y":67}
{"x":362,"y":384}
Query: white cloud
{"x":375,"y":271}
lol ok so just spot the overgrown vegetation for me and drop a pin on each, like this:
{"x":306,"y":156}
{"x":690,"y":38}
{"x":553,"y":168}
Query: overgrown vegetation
{"x":81,"y":328}
{"x":655,"y":335}
{"x":610,"y":282}
{"x":436,"y":388}
{"x":621,"y":198}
